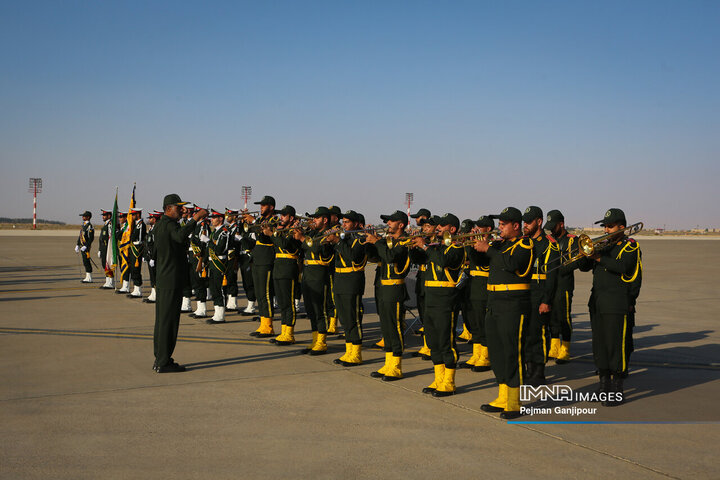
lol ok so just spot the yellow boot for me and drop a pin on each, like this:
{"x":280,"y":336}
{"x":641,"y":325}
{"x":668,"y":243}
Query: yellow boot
{"x":380,"y":344}
{"x":320,"y":347}
{"x":439,"y":375}
{"x":344,"y":358}
{"x":381,"y":371}
{"x":312,"y":344}
{"x":332,"y":327}
{"x":499,"y":404}
{"x":563,"y":352}
{"x":483,"y":362}
{"x":447,"y":387}
{"x":512,"y":409}
{"x":554,"y":347}
{"x":280,"y":337}
{"x":472,"y":361}
{"x":288,"y":336}
{"x":265,"y":329}
{"x":355,"y":357}
{"x":465,"y":335}
{"x":424,"y":352}
{"x":394,"y":371}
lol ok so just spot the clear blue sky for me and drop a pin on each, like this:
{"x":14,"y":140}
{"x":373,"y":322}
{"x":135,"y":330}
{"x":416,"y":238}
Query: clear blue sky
{"x":473,"y":106}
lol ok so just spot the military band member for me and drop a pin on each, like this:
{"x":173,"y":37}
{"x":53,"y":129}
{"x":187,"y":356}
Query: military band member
{"x":614,"y":270}
{"x":285,"y":273}
{"x":186,"y":305}
{"x":444,"y":267}
{"x":218,"y":247}
{"x":84,"y":242}
{"x":542,"y":293}
{"x":316,"y":278}
{"x":135,"y":255}
{"x":199,"y":263}
{"x":150,"y":254}
{"x":421,"y":216}
{"x":104,"y":245}
{"x":463,"y":305}
{"x":479,"y":271}
{"x":392,"y":292}
{"x":233,"y":226}
{"x":419,"y":258}
{"x":263,"y":257}
{"x":349,"y":286}
{"x":508,"y":309}
{"x":171,"y":243}
{"x":244,"y":244}
{"x":335,"y":217}
{"x":560,"y":315}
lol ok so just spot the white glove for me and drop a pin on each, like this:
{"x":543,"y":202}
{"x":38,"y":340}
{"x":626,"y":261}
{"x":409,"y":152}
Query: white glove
{"x":253,"y":236}
{"x":144,"y":260}
{"x":83,"y":248}
{"x":204,"y":238}
{"x":152,"y":262}
{"x":77,"y":249}
{"x":100,"y":255}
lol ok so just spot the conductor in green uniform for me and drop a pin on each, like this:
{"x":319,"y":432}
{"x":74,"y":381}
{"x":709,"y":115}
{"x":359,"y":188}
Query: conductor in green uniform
{"x":170,"y":244}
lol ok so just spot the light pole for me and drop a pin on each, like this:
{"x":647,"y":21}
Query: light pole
{"x":409,"y":199}
{"x":246,"y":192}
{"x":35,"y":187}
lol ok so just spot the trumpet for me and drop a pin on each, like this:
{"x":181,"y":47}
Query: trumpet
{"x":587,"y":247}
{"x":311,"y":241}
{"x":408,"y":238}
{"x":258,"y":226}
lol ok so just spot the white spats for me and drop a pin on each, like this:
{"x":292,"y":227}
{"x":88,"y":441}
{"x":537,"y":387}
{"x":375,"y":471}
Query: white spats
{"x":201,"y":310}
{"x":125,"y":287}
{"x":151,"y":297}
{"x":231,"y":303}
{"x":137,"y":292}
{"x":219,"y":315}
{"x":250,"y":307}
{"x":186,"y":307}
{"x":88,"y":278}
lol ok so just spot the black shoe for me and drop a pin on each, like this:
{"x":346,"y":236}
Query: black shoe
{"x":170,"y":368}
{"x":185,"y":311}
{"x":145,"y":300}
{"x":317,"y":352}
{"x":337,"y":361}
{"x":350,"y":364}
{"x":510,"y":415}
{"x":273,"y":340}
{"x":490,"y":408}
{"x":282,"y":343}
{"x":465,"y":365}
{"x":256,"y":319}
{"x":120,"y":292}
{"x":438,"y":393}
{"x":305,"y":351}
{"x":559,"y":361}
{"x":254,"y":334}
{"x":425,"y":357}
{"x":388,"y":378}
{"x":481,"y":368}
{"x":376,"y":375}
{"x":210,"y":321}
{"x":428,"y":390}
{"x":265,"y":335}
{"x":155,"y":366}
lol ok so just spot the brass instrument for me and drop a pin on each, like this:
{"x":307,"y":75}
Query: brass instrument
{"x":408,"y":238}
{"x":587,"y":247}
{"x":334,"y":230}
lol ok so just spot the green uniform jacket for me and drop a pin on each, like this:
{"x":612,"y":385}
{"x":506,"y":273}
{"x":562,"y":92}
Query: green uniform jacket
{"x":87,"y":235}
{"x":137,"y":239}
{"x":566,"y":277}
{"x":170,"y":244}
{"x":263,"y":252}
{"x":613,"y":276}
{"x":478,"y":268}
{"x":543,"y":285}
{"x":150,"y":244}
{"x":287,"y":253}
{"x":350,"y":260}
{"x":318,"y":258}
{"x":105,"y":235}
{"x":443,"y":269}
{"x":510,"y":264}
{"x":394,"y":262}
{"x":218,"y":247}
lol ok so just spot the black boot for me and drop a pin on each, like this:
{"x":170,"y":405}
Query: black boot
{"x":604,"y":387}
{"x":537,"y":374}
{"x":616,"y":394}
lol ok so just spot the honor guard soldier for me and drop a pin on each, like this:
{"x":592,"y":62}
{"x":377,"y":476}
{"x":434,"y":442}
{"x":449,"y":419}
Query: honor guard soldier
{"x":316,"y":278}
{"x":444,"y":267}
{"x":479,"y":271}
{"x":233,"y":226}
{"x":84,"y":242}
{"x":285,"y":273}
{"x":349,"y":286}
{"x":150,"y":254}
{"x":244,"y":244}
{"x":199,"y":262}
{"x":124,"y":274}
{"x":218,"y":247}
{"x":104,"y":244}
{"x":335,"y":216}
{"x":542,"y":293}
{"x":137,"y":245}
{"x":263,"y":257}
{"x":171,"y":245}
{"x":560,"y":315}
{"x":391,"y":291}
{"x":614,"y":268}
{"x":186,"y":306}
{"x":508,"y":309}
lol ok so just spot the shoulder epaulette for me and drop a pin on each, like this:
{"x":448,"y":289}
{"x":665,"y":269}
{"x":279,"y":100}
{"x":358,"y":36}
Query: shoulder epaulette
{"x":551,"y":238}
{"x":570,"y":235}
{"x":526,"y":242}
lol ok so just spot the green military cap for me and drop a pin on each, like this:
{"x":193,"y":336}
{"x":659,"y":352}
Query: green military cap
{"x":432,"y":220}
{"x":361,"y":218}
{"x":613,"y":216}
{"x":532,"y":213}
{"x":509,"y":214}
{"x":335,"y":210}
{"x":319,"y":212}
{"x":450,"y":219}
{"x":266,"y":200}
{"x":423,"y":212}
{"x":553,"y":218}
{"x":173,"y":199}
{"x":86,"y":214}
{"x":466,"y":225}
{"x":287,"y":210}
{"x":351,"y":215}
{"x":396,"y":216}
{"x":485,"y":221}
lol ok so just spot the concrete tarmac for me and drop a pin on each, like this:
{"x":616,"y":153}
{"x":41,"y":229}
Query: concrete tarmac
{"x":79,"y":399}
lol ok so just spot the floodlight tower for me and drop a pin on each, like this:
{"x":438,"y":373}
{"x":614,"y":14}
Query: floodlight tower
{"x":35,"y":187}
{"x":409,"y":199}
{"x":246,"y":192}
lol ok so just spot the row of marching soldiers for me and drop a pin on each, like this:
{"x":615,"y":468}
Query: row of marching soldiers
{"x":515,"y":301}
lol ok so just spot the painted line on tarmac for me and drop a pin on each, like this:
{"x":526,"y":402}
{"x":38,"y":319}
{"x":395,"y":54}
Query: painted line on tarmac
{"x":46,"y":289}
{"x":696,"y":366}
{"x":134,"y":336}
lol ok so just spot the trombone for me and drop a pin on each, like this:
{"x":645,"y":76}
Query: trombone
{"x":587,"y":247}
